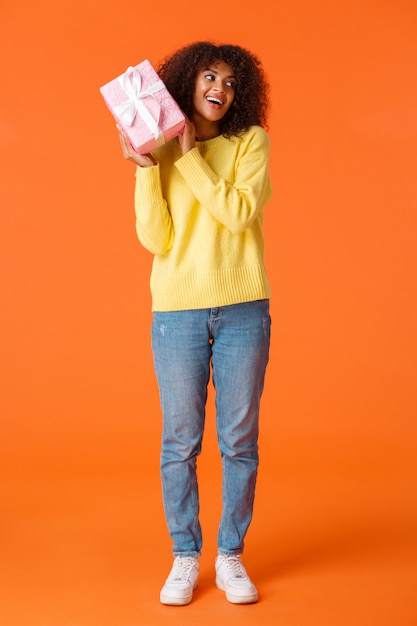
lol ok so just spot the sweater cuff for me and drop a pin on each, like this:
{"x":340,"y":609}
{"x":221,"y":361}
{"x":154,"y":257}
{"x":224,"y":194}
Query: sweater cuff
{"x":195,"y":169}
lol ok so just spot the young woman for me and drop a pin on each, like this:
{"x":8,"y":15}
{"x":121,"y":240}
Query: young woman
{"x":199,"y":203}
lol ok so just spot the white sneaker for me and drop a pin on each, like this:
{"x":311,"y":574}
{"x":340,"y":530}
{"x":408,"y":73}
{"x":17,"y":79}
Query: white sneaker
{"x":232,"y":578}
{"x":181,"y":582}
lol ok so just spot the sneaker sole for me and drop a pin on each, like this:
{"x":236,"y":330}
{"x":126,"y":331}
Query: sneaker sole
{"x":242,"y":599}
{"x":175,"y":601}
{"x":237,"y":599}
{"x":172,"y":601}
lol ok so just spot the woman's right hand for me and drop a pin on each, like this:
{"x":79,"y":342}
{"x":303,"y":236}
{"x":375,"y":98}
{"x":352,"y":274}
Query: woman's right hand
{"x":143,"y":160}
{"x":187,"y":137}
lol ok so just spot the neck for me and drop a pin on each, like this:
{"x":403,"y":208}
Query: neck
{"x":206,"y":130}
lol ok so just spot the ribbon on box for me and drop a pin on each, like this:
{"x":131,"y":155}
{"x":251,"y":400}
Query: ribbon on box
{"x":131,"y":83}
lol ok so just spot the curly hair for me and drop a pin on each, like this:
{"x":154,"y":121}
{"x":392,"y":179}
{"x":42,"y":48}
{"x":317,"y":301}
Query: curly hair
{"x":251,"y":102}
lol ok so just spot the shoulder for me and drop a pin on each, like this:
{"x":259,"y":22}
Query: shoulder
{"x":254,"y":139}
{"x":256,"y":134}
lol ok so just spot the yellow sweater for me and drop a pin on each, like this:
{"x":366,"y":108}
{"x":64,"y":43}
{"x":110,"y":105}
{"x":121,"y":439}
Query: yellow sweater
{"x":201,"y":215}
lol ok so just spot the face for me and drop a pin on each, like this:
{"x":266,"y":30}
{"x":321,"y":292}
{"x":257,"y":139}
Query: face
{"x":214,"y":92}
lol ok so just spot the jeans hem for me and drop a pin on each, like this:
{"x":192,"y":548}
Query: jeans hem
{"x":222,"y":552}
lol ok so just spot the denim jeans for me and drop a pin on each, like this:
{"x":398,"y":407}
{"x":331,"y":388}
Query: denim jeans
{"x":234,"y":341}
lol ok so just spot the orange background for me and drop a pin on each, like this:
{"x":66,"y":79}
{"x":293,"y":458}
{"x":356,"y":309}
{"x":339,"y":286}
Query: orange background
{"x":83,"y":539}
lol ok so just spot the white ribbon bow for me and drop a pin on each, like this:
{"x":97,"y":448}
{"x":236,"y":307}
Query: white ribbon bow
{"x":131,"y":83}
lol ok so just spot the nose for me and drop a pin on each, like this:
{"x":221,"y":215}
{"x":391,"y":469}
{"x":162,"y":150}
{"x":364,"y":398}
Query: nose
{"x":218,"y":86}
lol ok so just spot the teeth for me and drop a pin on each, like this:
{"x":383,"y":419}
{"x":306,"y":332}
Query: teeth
{"x":214,"y":100}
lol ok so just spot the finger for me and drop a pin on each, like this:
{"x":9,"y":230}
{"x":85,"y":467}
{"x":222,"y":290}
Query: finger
{"x":126,"y":146}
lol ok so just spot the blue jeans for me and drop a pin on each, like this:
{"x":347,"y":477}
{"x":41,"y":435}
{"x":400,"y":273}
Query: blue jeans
{"x":235,"y":341}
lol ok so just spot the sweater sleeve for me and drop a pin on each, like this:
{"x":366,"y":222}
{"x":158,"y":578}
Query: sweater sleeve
{"x":236,"y":205}
{"x":154,"y":225}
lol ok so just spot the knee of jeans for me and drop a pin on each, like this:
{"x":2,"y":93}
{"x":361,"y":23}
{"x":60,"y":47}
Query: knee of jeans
{"x":177,"y":451}
{"x":239,"y":450}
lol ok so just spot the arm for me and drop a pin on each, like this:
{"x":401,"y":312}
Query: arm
{"x":235,"y":205}
{"x":154,"y":225}
{"x":153,"y":220}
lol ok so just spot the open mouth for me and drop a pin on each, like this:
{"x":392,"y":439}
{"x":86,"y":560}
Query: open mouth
{"x":215,"y":101}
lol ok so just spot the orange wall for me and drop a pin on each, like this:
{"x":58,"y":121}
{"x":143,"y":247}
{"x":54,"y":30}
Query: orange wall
{"x":340,"y":230}
{"x":78,"y":392}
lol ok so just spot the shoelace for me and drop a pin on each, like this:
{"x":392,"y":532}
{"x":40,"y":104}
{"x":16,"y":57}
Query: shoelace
{"x":182,"y":569}
{"x":235,"y":567}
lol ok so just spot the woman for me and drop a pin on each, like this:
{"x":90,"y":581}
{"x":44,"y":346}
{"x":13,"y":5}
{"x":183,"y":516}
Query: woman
{"x":199,"y":203}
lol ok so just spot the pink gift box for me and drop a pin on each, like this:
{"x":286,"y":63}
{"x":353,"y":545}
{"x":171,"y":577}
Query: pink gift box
{"x":143,"y":107}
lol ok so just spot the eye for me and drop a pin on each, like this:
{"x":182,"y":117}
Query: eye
{"x":231,"y":83}
{"x":209,"y":77}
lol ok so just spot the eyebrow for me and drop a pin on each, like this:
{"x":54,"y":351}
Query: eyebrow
{"x":211,"y":69}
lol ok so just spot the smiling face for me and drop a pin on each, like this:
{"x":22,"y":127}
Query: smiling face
{"x":213,"y":95}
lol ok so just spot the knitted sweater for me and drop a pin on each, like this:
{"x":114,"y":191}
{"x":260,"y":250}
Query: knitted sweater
{"x":201,"y":215}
